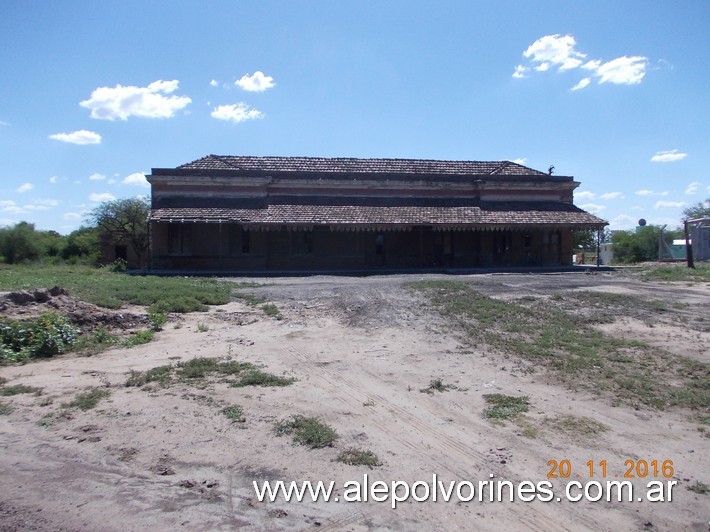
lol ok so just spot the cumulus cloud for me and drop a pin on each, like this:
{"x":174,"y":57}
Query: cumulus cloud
{"x":693,"y":188}
{"x":623,"y":70}
{"x":556,"y":50}
{"x":622,"y":222}
{"x":647,"y":192}
{"x":238,"y":112}
{"x":587,"y":195}
{"x":25,"y":187}
{"x":41,"y":205}
{"x":560,"y":51}
{"x":582,"y":83}
{"x":104,"y":196}
{"x":80,"y":137}
{"x":214,"y":83}
{"x":119,"y":102}
{"x":53,"y":179}
{"x":611,"y":195}
{"x":137,"y":179}
{"x":520,"y":71}
{"x":669,"y":204}
{"x":592,"y":207}
{"x":97,"y":177}
{"x":257,"y":82}
{"x":668,"y":156}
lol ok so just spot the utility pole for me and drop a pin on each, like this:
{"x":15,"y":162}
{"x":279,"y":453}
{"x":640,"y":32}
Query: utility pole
{"x":688,"y":246}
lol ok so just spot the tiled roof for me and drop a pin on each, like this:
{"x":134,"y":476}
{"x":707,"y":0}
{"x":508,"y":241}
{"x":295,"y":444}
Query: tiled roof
{"x":355,"y":166}
{"x":491,"y":214}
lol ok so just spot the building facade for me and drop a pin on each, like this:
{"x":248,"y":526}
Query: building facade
{"x":247,"y":214}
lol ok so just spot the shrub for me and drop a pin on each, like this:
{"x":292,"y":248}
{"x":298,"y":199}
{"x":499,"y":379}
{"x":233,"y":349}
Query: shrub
{"x":309,"y":431}
{"x":45,"y":336}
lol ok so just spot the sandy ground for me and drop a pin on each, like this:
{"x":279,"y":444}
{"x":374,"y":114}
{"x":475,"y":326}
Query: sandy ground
{"x":360,"y":349}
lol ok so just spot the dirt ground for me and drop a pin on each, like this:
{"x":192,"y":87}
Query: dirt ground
{"x":360,"y":349}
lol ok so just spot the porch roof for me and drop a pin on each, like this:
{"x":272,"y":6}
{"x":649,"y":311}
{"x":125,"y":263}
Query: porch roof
{"x":489,"y":214}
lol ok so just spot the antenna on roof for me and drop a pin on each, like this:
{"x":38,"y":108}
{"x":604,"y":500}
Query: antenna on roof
{"x":550,"y":169}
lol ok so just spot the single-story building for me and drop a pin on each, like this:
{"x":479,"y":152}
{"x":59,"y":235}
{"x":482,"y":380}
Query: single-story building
{"x":243,"y":213}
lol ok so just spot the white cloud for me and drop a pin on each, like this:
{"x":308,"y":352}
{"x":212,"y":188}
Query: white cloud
{"x":24,"y":187}
{"x":53,"y":179}
{"x":693,"y":188}
{"x":669,"y":204}
{"x":623,"y":70}
{"x":611,"y":195}
{"x":11,"y":207}
{"x":81,"y":137}
{"x":98,"y":198}
{"x":41,"y":205}
{"x":258,"y":82}
{"x":238,"y":112}
{"x":581,"y":84}
{"x":668,"y":156}
{"x":97,"y":177}
{"x":71,"y":216}
{"x":622,"y":222}
{"x":520,"y":71}
{"x":647,"y":192}
{"x":137,"y":179}
{"x":559,"y":50}
{"x":585,"y":195}
{"x":592,"y":207}
{"x":3,"y":123}
{"x":519,"y":160}
{"x":121,"y":102}
{"x":214,"y":83}
{"x":556,"y":50}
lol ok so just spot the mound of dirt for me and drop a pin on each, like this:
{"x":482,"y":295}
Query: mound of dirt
{"x":26,"y":304}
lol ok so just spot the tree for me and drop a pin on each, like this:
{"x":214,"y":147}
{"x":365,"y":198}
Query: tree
{"x":698,"y":210}
{"x":124,"y":222}
{"x":82,"y":245}
{"x":20,"y":243}
{"x":640,"y":245}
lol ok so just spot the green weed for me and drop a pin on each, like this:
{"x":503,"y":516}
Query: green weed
{"x":88,"y":400}
{"x":358,"y":457}
{"x":309,"y":431}
{"x":504,"y":406}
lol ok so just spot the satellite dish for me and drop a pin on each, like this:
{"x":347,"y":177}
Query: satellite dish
{"x":642,"y":222}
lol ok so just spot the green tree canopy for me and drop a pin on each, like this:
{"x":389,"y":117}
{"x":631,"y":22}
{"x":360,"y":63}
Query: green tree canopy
{"x":697,"y":210}
{"x":124,"y":221}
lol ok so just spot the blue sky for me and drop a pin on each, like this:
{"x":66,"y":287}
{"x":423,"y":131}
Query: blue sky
{"x":95,"y":94}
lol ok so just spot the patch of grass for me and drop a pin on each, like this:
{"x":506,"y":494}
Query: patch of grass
{"x":577,"y":425}
{"x":309,"y":431}
{"x":138,"y":338}
{"x":156,"y":320}
{"x":558,"y":338}
{"x":358,"y":457}
{"x":257,"y":377}
{"x":234,"y":413}
{"x":250,"y":299}
{"x":17,"y":389}
{"x":88,"y":400}
{"x":677,"y":273}
{"x":437,"y":385}
{"x":199,"y":368}
{"x":105,"y":288}
{"x":159,"y":375}
{"x":700,"y":488}
{"x":272,"y":311}
{"x":5,"y":409}
{"x":504,"y":406}
{"x":96,"y":342}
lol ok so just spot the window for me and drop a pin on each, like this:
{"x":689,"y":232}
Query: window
{"x":179,"y":236}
